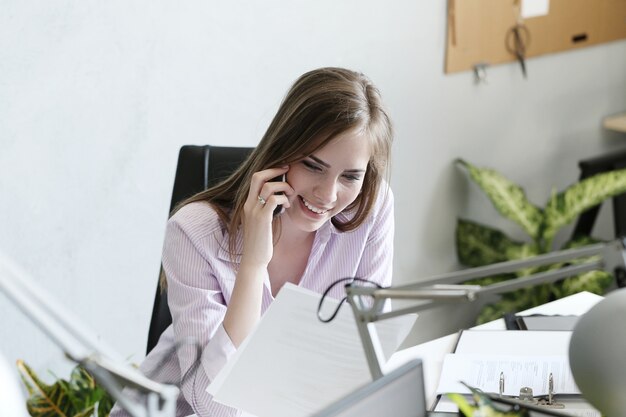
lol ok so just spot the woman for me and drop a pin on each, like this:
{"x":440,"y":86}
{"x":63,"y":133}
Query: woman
{"x":229,"y":250}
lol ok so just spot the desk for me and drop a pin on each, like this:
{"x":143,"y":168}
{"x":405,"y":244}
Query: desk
{"x":433,"y":352}
{"x":617,"y":122}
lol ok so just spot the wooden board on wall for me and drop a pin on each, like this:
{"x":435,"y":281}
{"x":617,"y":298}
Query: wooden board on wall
{"x":477,"y":29}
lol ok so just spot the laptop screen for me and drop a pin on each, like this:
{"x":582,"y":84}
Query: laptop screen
{"x":400,"y":391}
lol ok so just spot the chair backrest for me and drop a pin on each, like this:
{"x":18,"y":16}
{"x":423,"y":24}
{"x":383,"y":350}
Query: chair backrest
{"x":597,"y":165}
{"x":199,"y":167}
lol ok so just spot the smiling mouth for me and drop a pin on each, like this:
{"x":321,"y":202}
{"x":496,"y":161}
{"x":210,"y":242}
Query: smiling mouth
{"x":312,"y":207}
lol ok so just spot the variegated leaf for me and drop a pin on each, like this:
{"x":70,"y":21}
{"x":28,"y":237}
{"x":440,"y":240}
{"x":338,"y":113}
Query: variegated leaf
{"x":82,"y":389}
{"x":515,"y":301}
{"x":564,"y":207}
{"x":465,"y":408}
{"x":479,"y":245}
{"x":45,"y":400}
{"x":508,"y":198}
{"x":596,"y":282}
{"x":579,"y":242}
{"x":78,"y":397}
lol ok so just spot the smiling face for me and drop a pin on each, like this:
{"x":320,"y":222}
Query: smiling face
{"x":327,"y":181}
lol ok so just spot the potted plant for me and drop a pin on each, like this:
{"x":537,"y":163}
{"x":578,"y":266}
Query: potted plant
{"x":478,"y":244}
{"x":80,"y":396}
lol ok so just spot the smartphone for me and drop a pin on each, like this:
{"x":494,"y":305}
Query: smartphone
{"x":279,"y":208}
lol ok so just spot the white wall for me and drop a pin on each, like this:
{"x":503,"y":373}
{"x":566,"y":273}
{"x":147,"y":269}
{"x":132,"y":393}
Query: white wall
{"x":96,"y":97}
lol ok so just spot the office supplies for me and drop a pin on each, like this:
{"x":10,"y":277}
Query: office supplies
{"x":434,"y":351}
{"x":480,"y":72}
{"x":509,"y":375}
{"x":82,"y":346}
{"x":534,"y":8}
{"x":292,"y":364}
{"x":609,"y":256}
{"x":504,"y":342}
{"x":545,"y":322}
{"x":538,"y":411}
{"x":518,"y":37}
{"x":401,"y":393}
{"x":504,"y":361}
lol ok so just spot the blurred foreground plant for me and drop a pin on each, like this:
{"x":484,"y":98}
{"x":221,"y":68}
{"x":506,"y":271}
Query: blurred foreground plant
{"x":81,"y":396}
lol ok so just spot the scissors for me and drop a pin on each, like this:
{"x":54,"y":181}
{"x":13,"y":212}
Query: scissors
{"x":517,"y":39}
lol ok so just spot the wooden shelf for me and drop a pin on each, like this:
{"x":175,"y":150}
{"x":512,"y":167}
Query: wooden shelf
{"x":617,"y":122}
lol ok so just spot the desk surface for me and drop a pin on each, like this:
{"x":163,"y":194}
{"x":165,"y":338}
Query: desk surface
{"x":617,"y":122}
{"x":433,"y":352}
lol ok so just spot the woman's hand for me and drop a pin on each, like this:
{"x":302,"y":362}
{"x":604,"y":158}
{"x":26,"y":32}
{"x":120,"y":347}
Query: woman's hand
{"x":244,"y":309}
{"x":263,"y":198}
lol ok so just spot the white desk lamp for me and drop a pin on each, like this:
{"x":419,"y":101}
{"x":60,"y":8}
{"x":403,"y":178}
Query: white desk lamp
{"x":81,"y":346}
{"x":597,"y":354}
{"x":12,"y":402}
{"x":438,"y":290}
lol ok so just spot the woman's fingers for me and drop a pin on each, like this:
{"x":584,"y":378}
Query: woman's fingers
{"x":276,"y":200}
{"x":268,"y":190}
{"x":263,"y":198}
{"x":272,"y":188}
{"x":261,"y":178}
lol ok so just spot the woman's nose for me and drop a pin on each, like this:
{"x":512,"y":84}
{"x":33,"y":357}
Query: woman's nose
{"x":326,"y":191}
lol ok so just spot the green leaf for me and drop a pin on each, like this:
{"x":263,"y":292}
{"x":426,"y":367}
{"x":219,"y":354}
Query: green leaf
{"x":78,"y":397}
{"x":579,"y":242}
{"x":508,"y":198}
{"x":105,"y":404}
{"x":465,"y":407}
{"x":564,"y":207}
{"x":82,"y":389}
{"x":479,"y":245}
{"x":45,"y":400}
{"x":596,"y":282}
{"x":484,"y":405}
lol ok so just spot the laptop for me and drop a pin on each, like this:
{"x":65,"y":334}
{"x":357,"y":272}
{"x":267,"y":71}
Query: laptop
{"x":399,"y":393}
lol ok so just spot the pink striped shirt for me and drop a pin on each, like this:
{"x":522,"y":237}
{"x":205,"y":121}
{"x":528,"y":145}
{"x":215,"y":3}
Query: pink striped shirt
{"x":201,"y":277}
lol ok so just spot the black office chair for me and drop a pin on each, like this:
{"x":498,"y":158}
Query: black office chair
{"x":199,"y":167}
{"x":597,"y":165}
{"x":586,"y":221}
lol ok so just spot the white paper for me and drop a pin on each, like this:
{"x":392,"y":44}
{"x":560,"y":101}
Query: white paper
{"x":535,"y":8}
{"x":483,"y":372}
{"x":508,"y":342}
{"x":293,"y":365}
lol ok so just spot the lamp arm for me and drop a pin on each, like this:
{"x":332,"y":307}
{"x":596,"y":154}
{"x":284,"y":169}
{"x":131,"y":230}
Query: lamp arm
{"x":81,"y":346}
{"x":368,"y":303}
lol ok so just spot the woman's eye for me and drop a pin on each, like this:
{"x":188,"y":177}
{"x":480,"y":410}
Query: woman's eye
{"x":311,"y":166}
{"x":351,"y":177}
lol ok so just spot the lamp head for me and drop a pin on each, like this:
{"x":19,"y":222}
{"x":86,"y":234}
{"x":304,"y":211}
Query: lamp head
{"x":597,"y":354}
{"x":12,"y":402}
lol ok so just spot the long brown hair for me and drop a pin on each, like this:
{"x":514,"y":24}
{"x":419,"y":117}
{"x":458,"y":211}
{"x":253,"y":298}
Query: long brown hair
{"x":321,"y":105}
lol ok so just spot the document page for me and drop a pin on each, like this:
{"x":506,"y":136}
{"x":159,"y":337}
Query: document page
{"x":293,"y":364}
{"x":485,"y":372}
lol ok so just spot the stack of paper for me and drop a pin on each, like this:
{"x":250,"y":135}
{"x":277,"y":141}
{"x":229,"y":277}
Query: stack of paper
{"x":293,"y":364}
